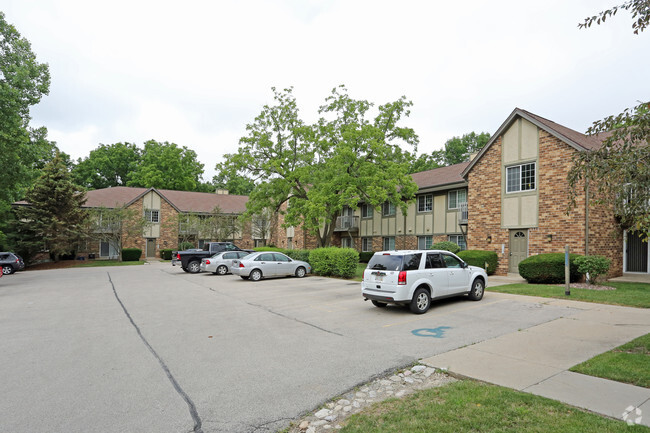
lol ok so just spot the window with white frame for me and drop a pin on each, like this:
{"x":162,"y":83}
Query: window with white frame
{"x":152,"y":216}
{"x":456,"y":197}
{"x":425,"y":203}
{"x":366,"y":244}
{"x":520,"y":177}
{"x":458,"y":240}
{"x":388,"y":209}
{"x":366,"y":211}
{"x":346,"y":242}
{"x":389,"y":243}
{"x":425,"y":242}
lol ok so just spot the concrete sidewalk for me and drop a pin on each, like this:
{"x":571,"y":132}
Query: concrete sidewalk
{"x":537,"y":359}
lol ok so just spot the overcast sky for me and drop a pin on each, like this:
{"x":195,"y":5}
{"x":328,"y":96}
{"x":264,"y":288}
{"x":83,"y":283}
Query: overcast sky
{"x":196,"y":72}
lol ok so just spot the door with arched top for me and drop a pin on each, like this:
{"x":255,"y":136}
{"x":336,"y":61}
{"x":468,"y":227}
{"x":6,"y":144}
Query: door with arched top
{"x":518,"y":249}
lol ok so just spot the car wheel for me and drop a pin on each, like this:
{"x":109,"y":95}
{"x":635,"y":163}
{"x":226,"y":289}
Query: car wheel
{"x":194,"y":267}
{"x":478,"y":288}
{"x":379,"y":304}
{"x":301,"y":272}
{"x":421,"y":301}
{"x":255,"y":275}
{"x":222,"y":270}
{"x":7,"y":270}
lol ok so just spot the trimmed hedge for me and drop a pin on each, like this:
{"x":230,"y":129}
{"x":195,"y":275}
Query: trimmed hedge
{"x":365,"y":256}
{"x":131,"y":254}
{"x":480,"y":258}
{"x":269,"y":248}
{"x":333,"y":261}
{"x":548,"y":268}
{"x":446,"y":246}
{"x":166,"y":254}
{"x":593,"y":267}
{"x":298,"y":254}
{"x":186,"y":246}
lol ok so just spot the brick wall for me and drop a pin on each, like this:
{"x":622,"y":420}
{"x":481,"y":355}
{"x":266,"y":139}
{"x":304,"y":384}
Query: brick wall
{"x":557,"y":225}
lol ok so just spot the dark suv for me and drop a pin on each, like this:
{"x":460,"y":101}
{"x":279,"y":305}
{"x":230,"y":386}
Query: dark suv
{"x":11,"y":263}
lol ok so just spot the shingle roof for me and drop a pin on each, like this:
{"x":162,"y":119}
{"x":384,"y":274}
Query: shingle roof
{"x":571,"y":137}
{"x":440,"y":176}
{"x":184,"y":201}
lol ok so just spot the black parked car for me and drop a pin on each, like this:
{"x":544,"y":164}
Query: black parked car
{"x":11,"y":263}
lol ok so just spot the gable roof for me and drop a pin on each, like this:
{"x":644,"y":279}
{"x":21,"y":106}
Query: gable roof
{"x":440,"y":176}
{"x":575,"y":139}
{"x":182,"y":201}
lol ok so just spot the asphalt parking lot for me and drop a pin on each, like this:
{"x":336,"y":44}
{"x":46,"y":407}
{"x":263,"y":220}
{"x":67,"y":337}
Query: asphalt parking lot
{"x":153,"y":349}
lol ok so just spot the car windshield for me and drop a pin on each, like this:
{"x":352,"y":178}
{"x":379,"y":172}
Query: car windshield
{"x":385,"y":262}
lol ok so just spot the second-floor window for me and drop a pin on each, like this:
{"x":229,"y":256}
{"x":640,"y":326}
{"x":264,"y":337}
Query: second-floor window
{"x":520,"y":177}
{"x":425,"y":203}
{"x":388,"y":209}
{"x":152,"y":216}
{"x":366,"y":211}
{"x":456,"y":198}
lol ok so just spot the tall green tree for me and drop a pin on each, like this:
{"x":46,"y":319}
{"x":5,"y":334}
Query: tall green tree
{"x":54,"y":216}
{"x":168,"y":166}
{"x":617,"y":175}
{"x":233,"y":182}
{"x":23,"y":149}
{"x":345,"y":158}
{"x":107,"y":165}
{"x":456,"y":150}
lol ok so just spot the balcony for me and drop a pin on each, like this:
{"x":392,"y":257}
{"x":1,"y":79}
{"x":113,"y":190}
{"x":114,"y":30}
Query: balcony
{"x":347,"y":223}
{"x":462,"y":218}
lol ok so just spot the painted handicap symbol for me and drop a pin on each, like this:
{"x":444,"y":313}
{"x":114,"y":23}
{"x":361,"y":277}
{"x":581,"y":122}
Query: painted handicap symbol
{"x":438,"y":332}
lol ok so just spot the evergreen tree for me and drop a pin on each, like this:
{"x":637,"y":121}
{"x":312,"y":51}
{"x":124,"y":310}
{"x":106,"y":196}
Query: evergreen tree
{"x":54,"y":216}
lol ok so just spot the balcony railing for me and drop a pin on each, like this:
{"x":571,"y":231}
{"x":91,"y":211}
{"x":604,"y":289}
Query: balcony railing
{"x":347,"y":223}
{"x":462,"y":218}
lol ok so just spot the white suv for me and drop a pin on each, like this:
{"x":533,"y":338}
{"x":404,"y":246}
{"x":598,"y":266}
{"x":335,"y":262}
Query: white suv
{"x":416,"y":277}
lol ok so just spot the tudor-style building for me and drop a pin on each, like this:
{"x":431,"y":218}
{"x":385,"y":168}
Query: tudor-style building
{"x":518,"y":199}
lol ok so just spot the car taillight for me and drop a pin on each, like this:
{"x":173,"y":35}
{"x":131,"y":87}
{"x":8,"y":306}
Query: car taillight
{"x":401,"y":278}
{"x":207,"y":262}
{"x":178,"y":256}
{"x":241,"y":265}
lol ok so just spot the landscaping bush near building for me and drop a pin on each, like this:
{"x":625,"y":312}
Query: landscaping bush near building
{"x":446,"y":246}
{"x":548,"y":268}
{"x":333,"y":261}
{"x":166,"y":254}
{"x":186,"y":246}
{"x":481,"y":258}
{"x":131,"y":254}
{"x":365,"y":256}
{"x":593,"y":267}
{"x":269,"y":248}
{"x":298,"y":254}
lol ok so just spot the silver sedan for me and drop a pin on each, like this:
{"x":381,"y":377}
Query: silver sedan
{"x":220,"y":263}
{"x":266,"y":264}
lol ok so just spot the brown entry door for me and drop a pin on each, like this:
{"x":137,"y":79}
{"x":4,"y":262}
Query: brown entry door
{"x":518,"y":249}
{"x":151,"y":248}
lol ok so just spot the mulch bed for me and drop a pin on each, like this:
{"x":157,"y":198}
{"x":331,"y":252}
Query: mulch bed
{"x":589,"y":286}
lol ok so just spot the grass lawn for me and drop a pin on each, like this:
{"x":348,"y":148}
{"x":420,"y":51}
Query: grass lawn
{"x":468,"y":406}
{"x":629,"y":363}
{"x":626,"y":294}
{"x":360,"y":268}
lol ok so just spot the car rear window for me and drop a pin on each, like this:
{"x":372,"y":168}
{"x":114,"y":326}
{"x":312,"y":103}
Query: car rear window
{"x":394,"y":262}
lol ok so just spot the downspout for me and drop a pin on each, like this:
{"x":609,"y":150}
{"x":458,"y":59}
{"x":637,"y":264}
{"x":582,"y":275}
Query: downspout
{"x":587,"y":217}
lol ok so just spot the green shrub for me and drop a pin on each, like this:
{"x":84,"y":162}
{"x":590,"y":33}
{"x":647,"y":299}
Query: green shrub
{"x":298,"y":254}
{"x":446,"y":246}
{"x":548,"y":268}
{"x":365,"y":256}
{"x":131,"y":254}
{"x":592,"y":267}
{"x":333,"y":261}
{"x":166,"y":254}
{"x":480,"y":258}
{"x":186,"y":246}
